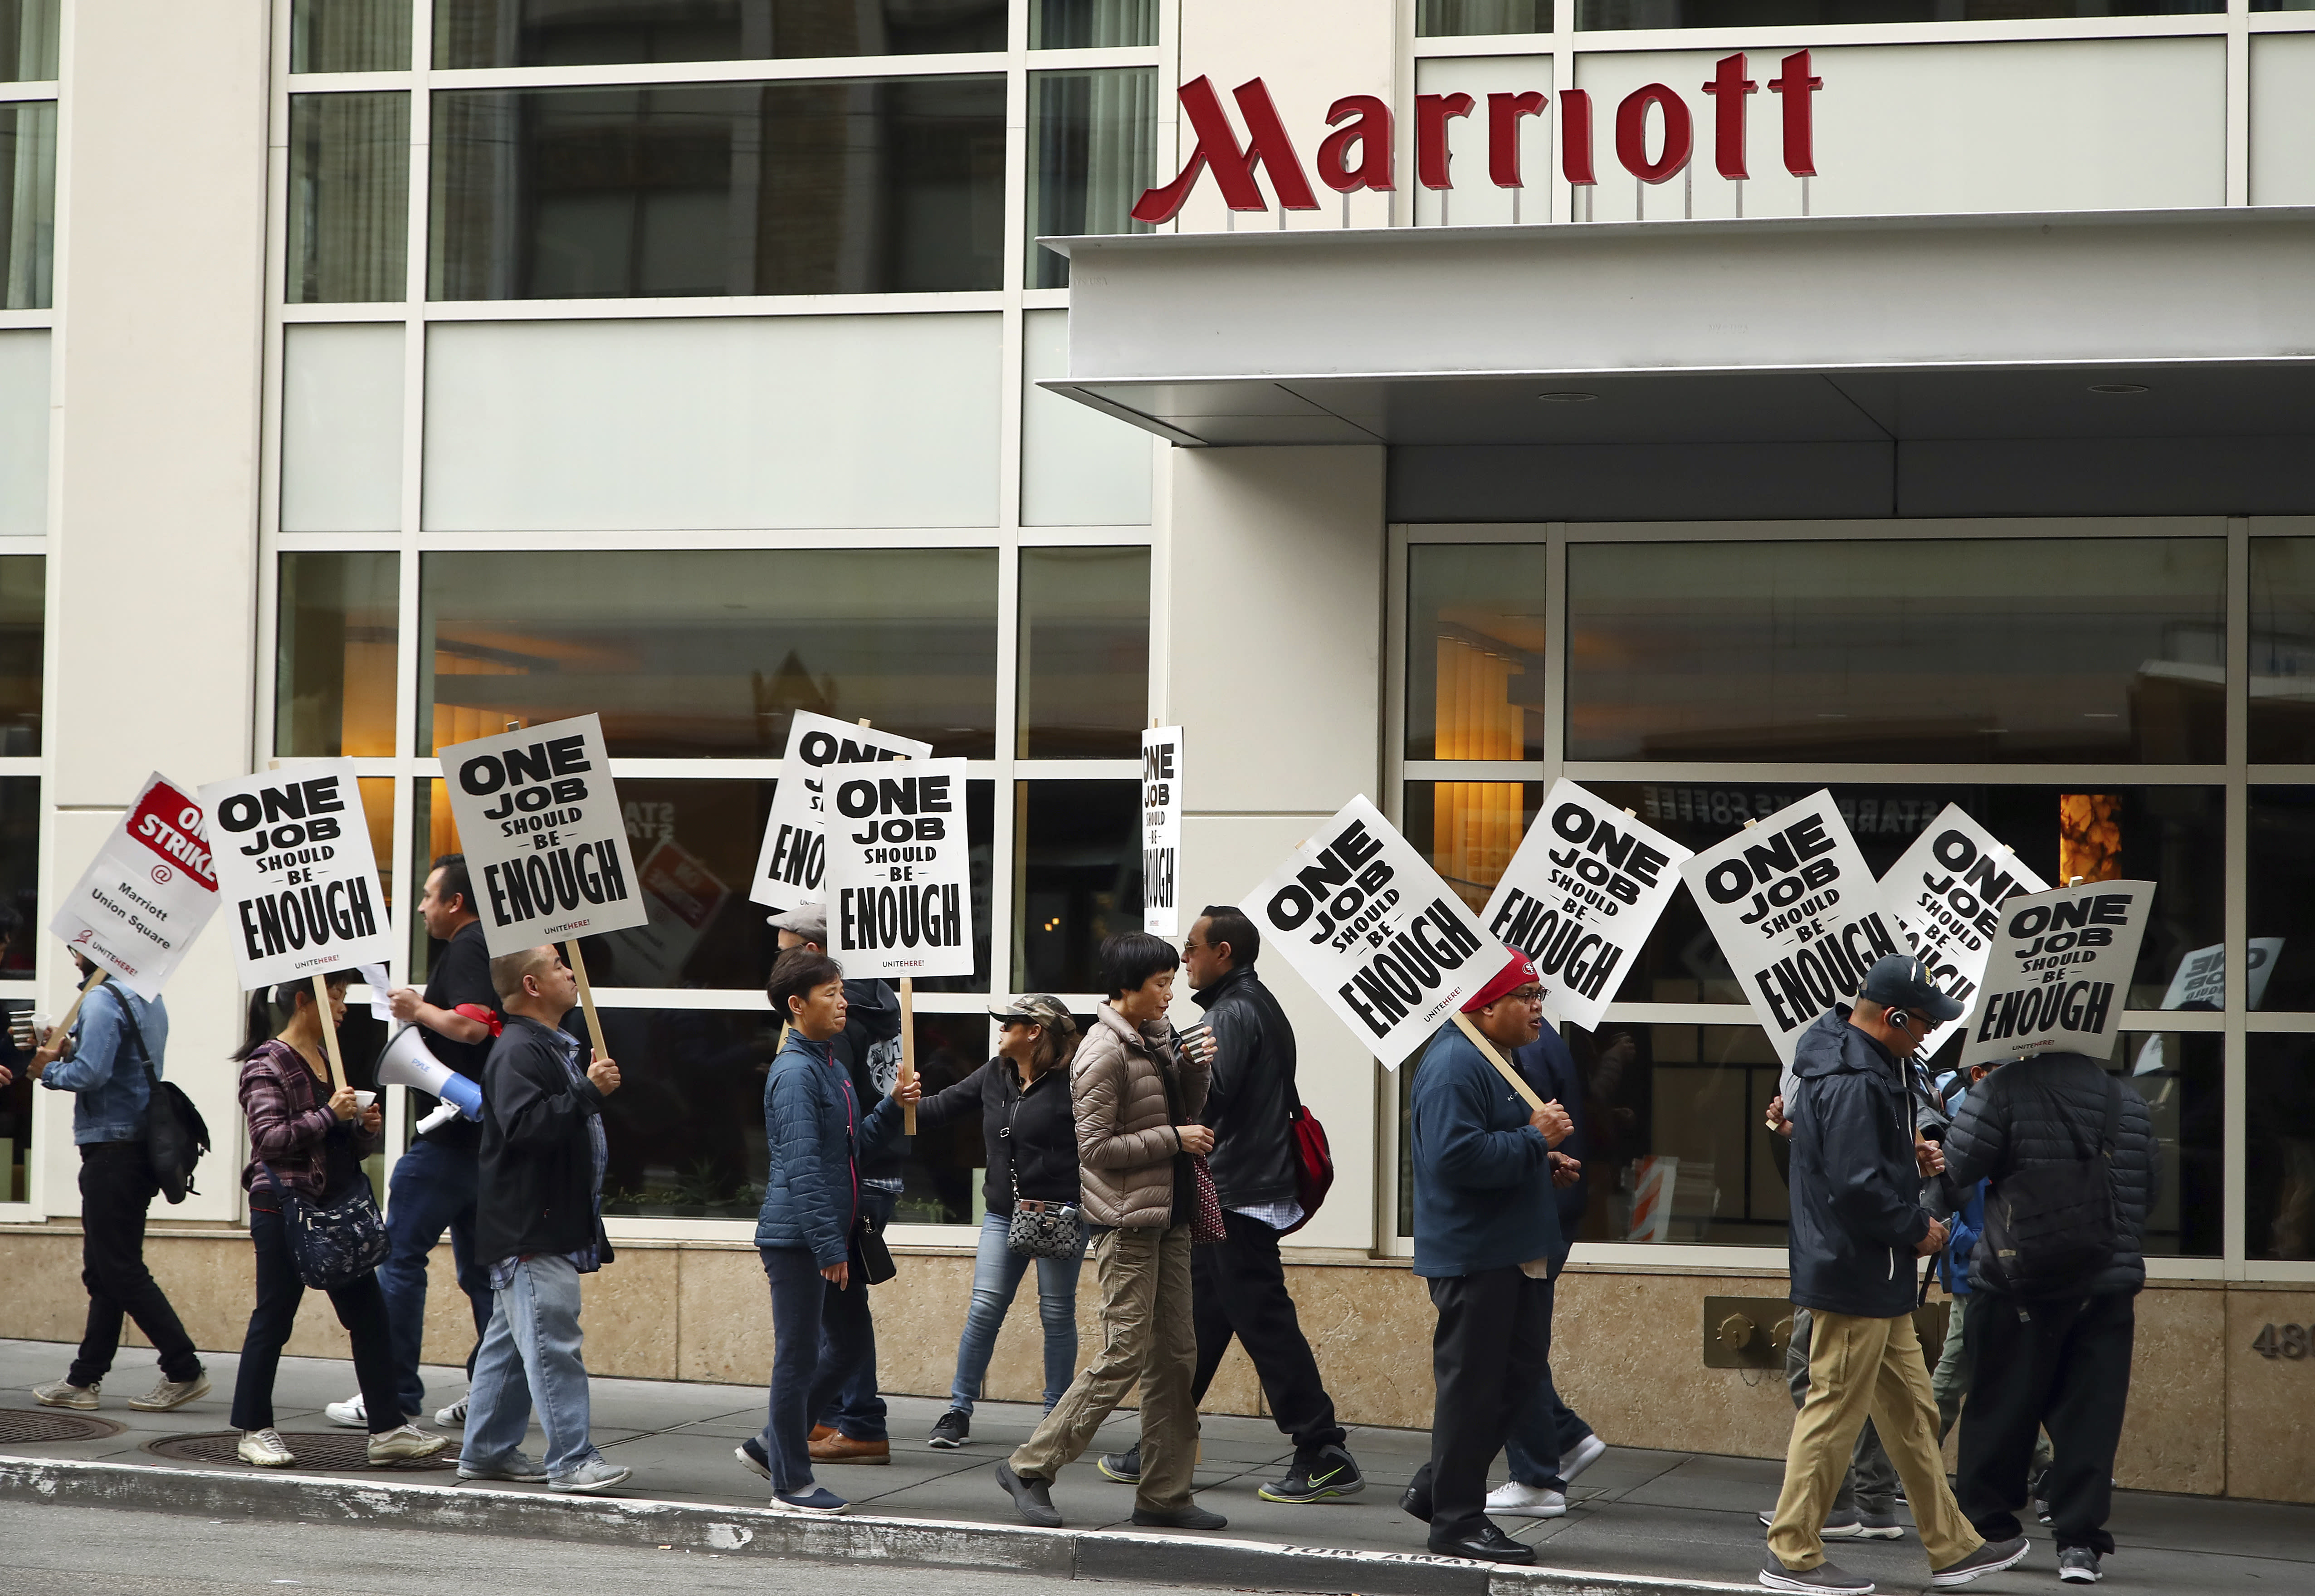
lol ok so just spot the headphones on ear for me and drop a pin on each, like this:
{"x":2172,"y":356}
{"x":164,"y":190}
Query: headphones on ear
{"x":1897,"y":1018}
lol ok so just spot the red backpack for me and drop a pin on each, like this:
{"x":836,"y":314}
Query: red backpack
{"x":1313,"y":1164}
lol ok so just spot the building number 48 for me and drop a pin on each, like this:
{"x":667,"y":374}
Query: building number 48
{"x":2291,"y":1341}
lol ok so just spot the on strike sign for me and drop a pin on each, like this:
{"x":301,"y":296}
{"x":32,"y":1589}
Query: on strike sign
{"x":546,"y":840}
{"x":899,"y":871}
{"x":294,"y":861}
{"x":1797,"y":911}
{"x":791,"y":865}
{"x":1368,"y":923}
{"x":147,"y":893}
{"x":1945,"y":897}
{"x":1581,"y":896}
{"x":2058,"y":976}
{"x":1161,"y":831}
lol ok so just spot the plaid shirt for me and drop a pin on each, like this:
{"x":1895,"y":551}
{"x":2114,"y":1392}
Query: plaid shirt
{"x":290,"y":1122}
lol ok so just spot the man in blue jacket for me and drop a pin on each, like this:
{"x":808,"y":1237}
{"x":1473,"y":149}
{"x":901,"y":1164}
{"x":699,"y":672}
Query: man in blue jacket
{"x":1486,"y":1229}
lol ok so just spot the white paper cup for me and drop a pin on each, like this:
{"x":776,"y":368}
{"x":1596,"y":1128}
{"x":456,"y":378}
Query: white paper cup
{"x":363,"y":1100}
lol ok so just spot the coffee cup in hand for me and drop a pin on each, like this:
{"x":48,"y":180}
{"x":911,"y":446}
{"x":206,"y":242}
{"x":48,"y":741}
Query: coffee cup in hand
{"x":363,"y":1100}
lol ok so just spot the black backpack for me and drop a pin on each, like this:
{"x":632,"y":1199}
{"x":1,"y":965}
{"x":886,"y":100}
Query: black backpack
{"x":2051,"y":1227}
{"x":175,"y":1134}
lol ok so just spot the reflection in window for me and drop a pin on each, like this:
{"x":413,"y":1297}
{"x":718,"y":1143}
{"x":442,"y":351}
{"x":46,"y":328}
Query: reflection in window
{"x":1084,"y":653}
{"x":2182,"y":1078}
{"x":2280,"y":881}
{"x":1794,"y":13}
{"x":2022,"y":650}
{"x":1459,"y":19}
{"x":1469,"y":830}
{"x":2279,"y":1163}
{"x":1475,"y":640}
{"x":28,"y":211}
{"x":20,"y":876}
{"x":28,"y":41}
{"x":24,"y":633}
{"x":2283,"y":651}
{"x":1078,"y":879}
{"x":334,"y":654}
{"x":350,"y":36}
{"x":842,"y":186}
{"x":941,"y":1183}
{"x":702,"y":654}
{"x":1092,"y":141}
{"x":349,"y":196}
{"x":377,"y":812}
{"x":1092,"y":24}
{"x":578,"y":32}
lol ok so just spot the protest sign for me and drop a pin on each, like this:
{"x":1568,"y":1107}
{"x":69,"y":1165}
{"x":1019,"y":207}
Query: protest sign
{"x":1944,"y":895}
{"x":790,"y":865}
{"x":683,"y":897}
{"x":1580,"y":897}
{"x":146,"y":894}
{"x":2202,"y":978}
{"x":899,"y":891}
{"x":296,"y":873}
{"x":1795,"y":911}
{"x":1368,"y":923}
{"x":2058,"y":976}
{"x":1161,"y":831}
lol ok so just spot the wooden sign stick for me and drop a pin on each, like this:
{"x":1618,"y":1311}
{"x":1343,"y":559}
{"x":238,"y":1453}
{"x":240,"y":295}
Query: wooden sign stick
{"x":329,"y":1033}
{"x":1487,"y":1050}
{"x":586,"y":996}
{"x":908,"y":1049}
{"x":64,"y":1027}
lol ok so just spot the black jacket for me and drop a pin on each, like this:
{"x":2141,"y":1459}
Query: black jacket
{"x":1031,"y":1130}
{"x":869,"y":1049}
{"x":537,"y":1192}
{"x":1551,"y":1070}
{"x":1254,"y":1160}
{"x":2020,"y":1115}
{"x":1855,"y":1189}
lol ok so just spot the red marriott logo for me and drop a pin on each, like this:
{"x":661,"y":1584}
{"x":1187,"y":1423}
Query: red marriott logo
{"x":1359,"y":154}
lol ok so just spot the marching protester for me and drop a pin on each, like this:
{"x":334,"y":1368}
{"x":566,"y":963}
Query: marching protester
{"x":103,"y":1063}
{"x":1486,"y":1229}
{"x":538,"y":1226}
{"x":1238,"y":1286}
{"x":434,"y":1181}
{"x":1031,"y":1193}
{"x":1857,"y":1221}
{"x":306,"y":1146}
{"x":850,"y":1427}
{"x":1136,"y":1098}
{"x":2075,"y":1170}
{"x":816,"y":1233}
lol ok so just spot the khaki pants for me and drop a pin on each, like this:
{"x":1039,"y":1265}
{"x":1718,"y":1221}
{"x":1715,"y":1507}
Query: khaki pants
{"x":1147,"y":1335}
{"x":1861,"y":1368}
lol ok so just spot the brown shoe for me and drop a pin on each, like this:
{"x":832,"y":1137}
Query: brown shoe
{"x":820,"y":1432}
{"x":840,"y":1448}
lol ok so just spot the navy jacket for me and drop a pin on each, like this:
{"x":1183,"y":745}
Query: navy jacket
{"x":818,"y":1138}
{"x":1482,"y":1196}
{"x":1550,"y":1069}
{"x":1855,"y":1189}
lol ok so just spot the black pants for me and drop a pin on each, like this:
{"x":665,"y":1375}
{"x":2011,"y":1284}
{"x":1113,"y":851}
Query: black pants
{"x":362,"y":1309}
{"x":1238,"y":1286}
{"x":2060,"y":1366}
{"x":117,"y":1187}
{"x":1493,"y":1344}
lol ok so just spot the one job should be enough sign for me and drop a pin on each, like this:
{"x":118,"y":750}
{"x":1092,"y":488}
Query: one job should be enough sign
{"x":294,"y":861}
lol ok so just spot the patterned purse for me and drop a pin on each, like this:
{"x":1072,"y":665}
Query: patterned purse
{"x":1043,"y":1229}
{"x":333,"y":1243}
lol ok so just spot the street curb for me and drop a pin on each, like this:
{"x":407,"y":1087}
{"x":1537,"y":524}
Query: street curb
{"x":755,"y":1531}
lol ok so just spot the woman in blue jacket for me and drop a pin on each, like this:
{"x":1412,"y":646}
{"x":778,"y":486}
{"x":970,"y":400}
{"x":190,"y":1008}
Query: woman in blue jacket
{"x":807,"y":1231}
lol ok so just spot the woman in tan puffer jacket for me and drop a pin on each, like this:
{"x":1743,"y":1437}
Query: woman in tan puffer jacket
{"x":1136,"y":1098}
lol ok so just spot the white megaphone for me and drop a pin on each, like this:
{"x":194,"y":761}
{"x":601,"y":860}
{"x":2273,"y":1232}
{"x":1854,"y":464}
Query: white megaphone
{"x":406,"y":1062}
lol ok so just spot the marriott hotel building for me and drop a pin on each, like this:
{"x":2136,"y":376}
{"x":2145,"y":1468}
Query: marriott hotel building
{"x":1707,"y":402}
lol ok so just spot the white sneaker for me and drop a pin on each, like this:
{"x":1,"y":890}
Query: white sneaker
{"x":593,"y":1474}
{"x":65,"y":1394}
{"x":263,"y":1448}
{"x":453,"y":1415}
{"x":351,"y":1413}
{"x":405,"y":1440}
{"x":520,"y":1468}
{"x":1512,"y":1500}
{"x":1586,"y":1453}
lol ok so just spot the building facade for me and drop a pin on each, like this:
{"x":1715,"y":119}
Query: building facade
{"x":1707,"y":404}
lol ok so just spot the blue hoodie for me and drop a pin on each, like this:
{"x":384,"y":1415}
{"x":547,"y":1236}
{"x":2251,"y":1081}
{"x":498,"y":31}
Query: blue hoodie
{"x":1482,"y":1196}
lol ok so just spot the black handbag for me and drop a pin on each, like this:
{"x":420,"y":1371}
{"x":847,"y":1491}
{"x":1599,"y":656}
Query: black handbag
{"x":331,"y":1243}
{"x":175,"y":1134}
{"x":876,"y":1265}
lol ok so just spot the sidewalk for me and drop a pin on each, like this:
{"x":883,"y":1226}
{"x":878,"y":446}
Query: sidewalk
{"x":1685,"y":1520}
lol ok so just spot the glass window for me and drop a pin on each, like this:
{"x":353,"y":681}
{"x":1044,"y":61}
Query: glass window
{"x":2283,"y":651}
{"x":704,"y":654}
{"x":349,"y":196}
{"x":2279,"y":1162}
{"x":1092,"y":24}
{"x":1457,"y":19}
{"x":1077,"y":880}
{"x":350,"y":36}
{"x":378,"y":812}
{"x":1469,"y":830}
{"x":2018,"y":650}
{"x":579,"y":33}
{"x":842,"y":186}
{"x":28,"y":217}
{"x":338,"y":632}
{"x":941,"y":1181}
{"x":342,"y":427}
{"x":2182,"y":1077}
{"x":1475,"y":665}
{"x":1093,"y":138}
{"x":1795,"y":13}
{"x":2280,"y":885}
{"x":23,"y":633}
{"x":28,"y":40}
{"x":1083,"y":665}
{"x":20,"y":876}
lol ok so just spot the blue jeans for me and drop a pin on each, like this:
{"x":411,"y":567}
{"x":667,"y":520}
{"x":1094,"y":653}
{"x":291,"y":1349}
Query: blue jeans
{"x":432,"y":1190}
{"x":1544,"y":1430}
{"x":531,"y":1352}
{"x":856,"y":1409}
{"x":809,"y":1313}
{"x":997,"y":1272}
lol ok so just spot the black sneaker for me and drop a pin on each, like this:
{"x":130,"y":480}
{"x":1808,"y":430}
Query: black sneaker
{"x":1124,"y":1467}
{"x":1992,"y":1558}
{"x":1188,"y":1516}
{"x":750,"y":1452}
{"x":1824,"y":1579}
{"x":1032,"y":1498}
{"x":1316,"y":1475}
{"x":950,"y":1431}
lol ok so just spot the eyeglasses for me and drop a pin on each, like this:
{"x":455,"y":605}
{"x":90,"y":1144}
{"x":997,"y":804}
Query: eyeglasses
{"x":1530,"y":994}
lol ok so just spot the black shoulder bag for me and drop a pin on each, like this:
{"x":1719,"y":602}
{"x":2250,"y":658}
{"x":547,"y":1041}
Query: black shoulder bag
{"x":175,"y":1134}
{"x":2050,"y":1228}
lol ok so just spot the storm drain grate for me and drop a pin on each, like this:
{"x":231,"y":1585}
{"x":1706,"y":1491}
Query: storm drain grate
{"x":23,"y":1426}
{"x":326,"y":1451}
